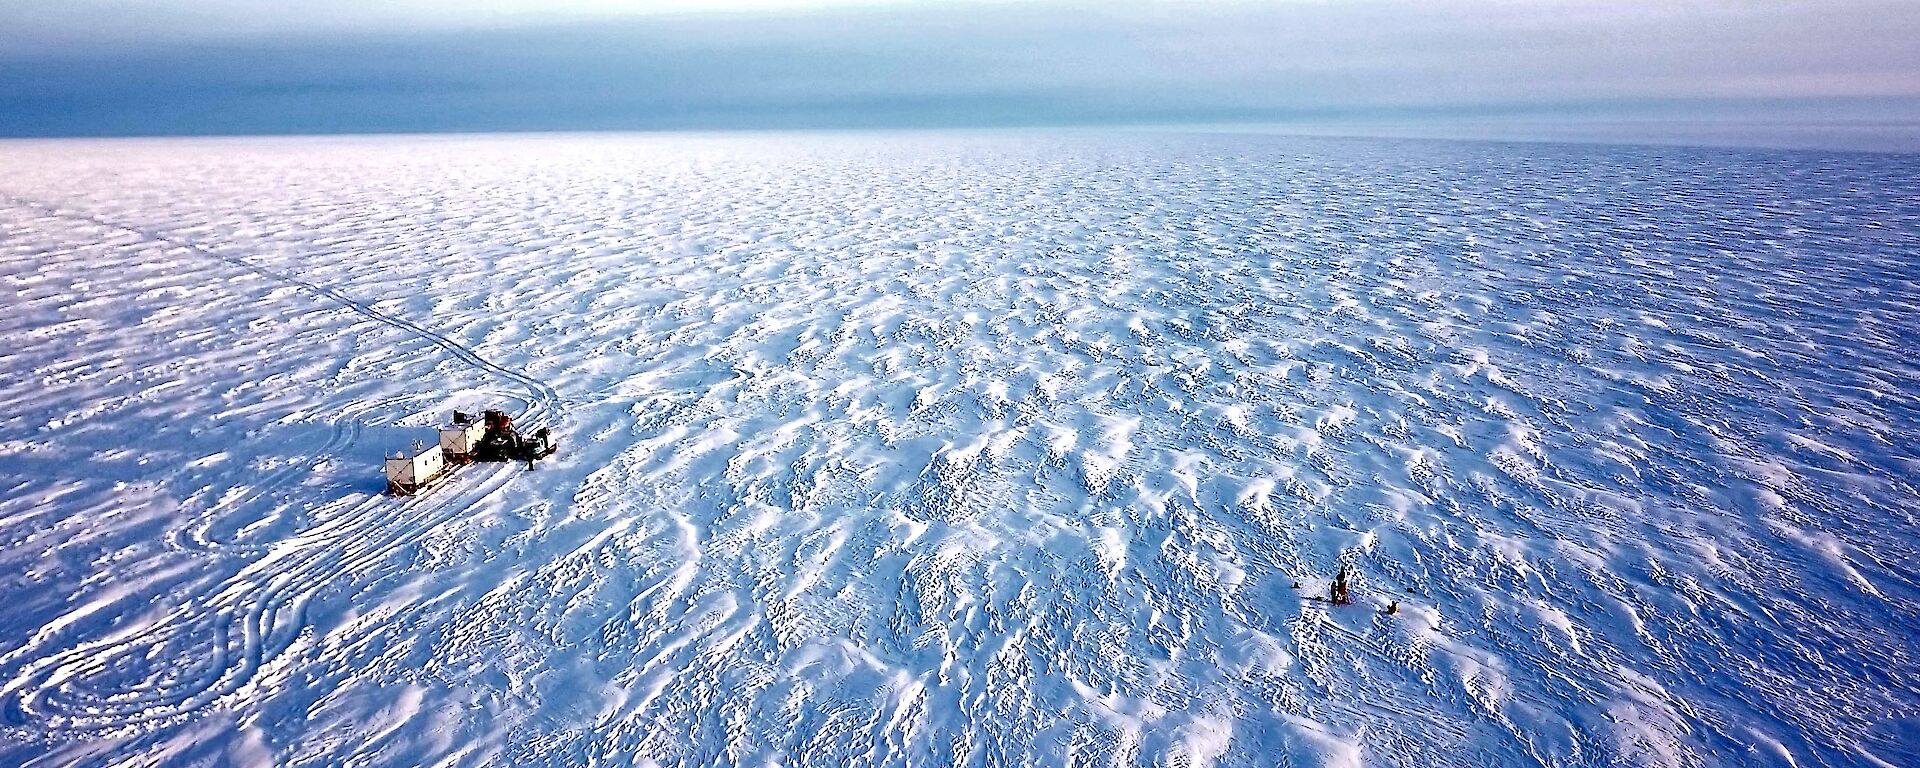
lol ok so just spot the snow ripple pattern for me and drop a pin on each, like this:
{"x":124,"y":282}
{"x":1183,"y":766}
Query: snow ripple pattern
{"x":960,"y":449}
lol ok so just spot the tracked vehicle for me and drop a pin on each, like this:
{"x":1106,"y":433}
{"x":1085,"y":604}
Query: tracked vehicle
{"x":464,"y":441}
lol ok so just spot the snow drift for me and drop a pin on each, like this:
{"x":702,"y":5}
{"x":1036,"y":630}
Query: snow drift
{"x":992,"y":449}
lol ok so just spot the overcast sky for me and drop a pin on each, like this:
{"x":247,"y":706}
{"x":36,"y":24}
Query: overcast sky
{"x":102,"y":67}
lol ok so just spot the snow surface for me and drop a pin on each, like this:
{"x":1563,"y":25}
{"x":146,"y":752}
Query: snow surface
{"x":960,"y":449}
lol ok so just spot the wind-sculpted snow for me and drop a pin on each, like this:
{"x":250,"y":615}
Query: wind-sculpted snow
{"x":980,"y":450}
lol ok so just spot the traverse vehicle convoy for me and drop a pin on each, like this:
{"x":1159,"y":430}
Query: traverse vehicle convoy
{"x":464,"y":441}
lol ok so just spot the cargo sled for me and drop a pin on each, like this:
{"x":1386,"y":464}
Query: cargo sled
{"x":408,"y":474}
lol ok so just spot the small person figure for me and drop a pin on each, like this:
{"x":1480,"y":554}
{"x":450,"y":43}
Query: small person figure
{"x":1296,"y":584}
{"x":1339,"y":594}
{"x":1393,"y":607}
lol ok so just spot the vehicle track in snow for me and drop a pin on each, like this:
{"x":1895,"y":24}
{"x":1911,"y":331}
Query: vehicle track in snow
{"x":543,"y":402}
{"x":255,"y":614}
{"x":540,"y":405}
{"x":344,"y":428}
{"x":227,"y":633}
{"x":985,"y":450}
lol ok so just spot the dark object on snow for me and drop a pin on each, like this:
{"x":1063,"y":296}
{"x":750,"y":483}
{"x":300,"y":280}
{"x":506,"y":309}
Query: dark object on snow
{"x":503,"y":443}
{"x":1296,"y":584}
{"x":1340,"y":594}
{"x":1393,"y":607}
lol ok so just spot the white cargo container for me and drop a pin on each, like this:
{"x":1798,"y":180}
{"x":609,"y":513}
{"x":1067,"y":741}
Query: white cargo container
{"x":406,"y":475}
{"x":457,"y":441}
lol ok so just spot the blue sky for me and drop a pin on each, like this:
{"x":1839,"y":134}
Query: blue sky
{"x":141,"y":67}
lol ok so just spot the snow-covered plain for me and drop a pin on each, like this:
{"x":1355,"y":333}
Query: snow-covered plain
{"x":963,"y":449}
